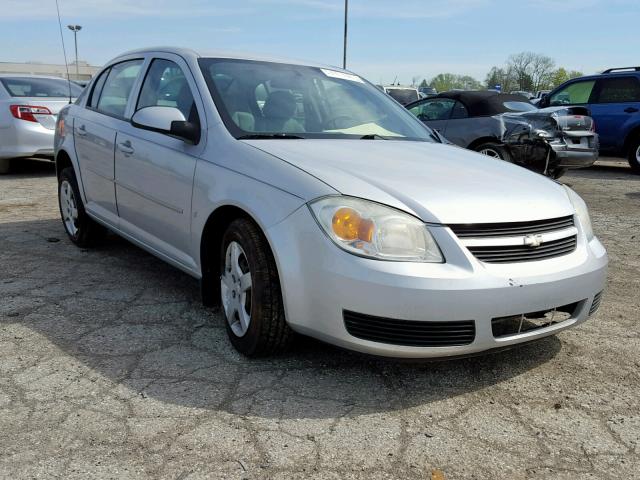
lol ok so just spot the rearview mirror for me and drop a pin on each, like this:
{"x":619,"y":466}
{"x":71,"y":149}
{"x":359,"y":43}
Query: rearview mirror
{"x":167,"y":120}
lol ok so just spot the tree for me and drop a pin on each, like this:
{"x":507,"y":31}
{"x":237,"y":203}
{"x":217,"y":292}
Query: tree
{"x":561,"y":75}
{"x":449,"y":81}
{"x":424,"y":83}
{"x":531,"y":71}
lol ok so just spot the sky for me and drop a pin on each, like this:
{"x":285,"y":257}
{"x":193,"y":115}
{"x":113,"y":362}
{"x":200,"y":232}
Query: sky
{"x":387,"y":40}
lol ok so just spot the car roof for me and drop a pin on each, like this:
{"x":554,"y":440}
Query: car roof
{"x":29,"y":75}
{"x":192,"y":54}
{"x":479,"y":103}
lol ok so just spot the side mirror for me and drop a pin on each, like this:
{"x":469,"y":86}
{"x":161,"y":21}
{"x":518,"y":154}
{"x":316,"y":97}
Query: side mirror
{"x":544,"y":100}
{"x":166,"y":120}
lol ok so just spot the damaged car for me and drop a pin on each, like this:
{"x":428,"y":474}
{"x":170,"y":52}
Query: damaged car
{"x":548,"y":141}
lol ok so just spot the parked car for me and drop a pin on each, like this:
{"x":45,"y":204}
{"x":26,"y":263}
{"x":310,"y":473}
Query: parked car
{"x":428,"y":91}
{"x":328,"y":211}
{"x":523,"y":93}
{"x":510,"y":128}
{"x":28,"y":108}
{"x":613,"y":98}
{"x":403,"y":95}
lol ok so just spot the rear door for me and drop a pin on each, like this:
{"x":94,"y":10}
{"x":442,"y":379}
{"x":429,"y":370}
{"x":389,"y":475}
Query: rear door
{"x":154,"y":172}
{"x":615,"y":107}
{"x":95,"y":132}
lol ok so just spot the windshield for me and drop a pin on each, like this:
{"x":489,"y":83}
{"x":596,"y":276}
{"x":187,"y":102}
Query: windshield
{"x":519,"y":106}
{"x":274,"y":100}
{"x":39,"y":87}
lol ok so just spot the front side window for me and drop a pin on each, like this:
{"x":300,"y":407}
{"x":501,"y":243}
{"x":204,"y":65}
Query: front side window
{"x":117,"y":88}
{"x":40,"y":87}
{"x":619,"y":90}
{"x":436,"y":109}
{"x":166,"y":86}
{"x":573,"y":94}
{"x":273,"y":99}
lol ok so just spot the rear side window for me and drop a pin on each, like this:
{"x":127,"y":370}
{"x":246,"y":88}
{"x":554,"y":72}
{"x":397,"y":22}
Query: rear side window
{"x":166,"y":86}
{"x":459,"y":111}
{"x":619,"y":90}
{"x":117,"y":88}
{"x":40,"y":87}
{"x":573,"y":94}
{"x":97,"y":88}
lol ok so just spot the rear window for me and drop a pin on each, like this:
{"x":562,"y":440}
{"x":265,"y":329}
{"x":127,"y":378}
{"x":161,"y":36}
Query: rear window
{"x":39,"y":87}
{"x":519,"y":106}
{"x":403,"y":95}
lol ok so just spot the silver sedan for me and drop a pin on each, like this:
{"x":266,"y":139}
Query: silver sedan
{"x":306,"y":200}
{"x":29,"y":105}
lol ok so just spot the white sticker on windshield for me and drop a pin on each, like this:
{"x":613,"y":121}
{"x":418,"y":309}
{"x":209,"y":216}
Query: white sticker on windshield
{"x":342,"y":75}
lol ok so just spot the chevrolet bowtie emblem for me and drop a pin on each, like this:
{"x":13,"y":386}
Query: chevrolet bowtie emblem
{"x":533,"y":241}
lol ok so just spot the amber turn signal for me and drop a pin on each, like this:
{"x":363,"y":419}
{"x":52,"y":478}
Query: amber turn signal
{"x":348,"y":224}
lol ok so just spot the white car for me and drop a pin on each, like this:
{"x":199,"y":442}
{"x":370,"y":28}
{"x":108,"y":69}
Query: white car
{"x":306,"y":200}
{"x":29,"y":105}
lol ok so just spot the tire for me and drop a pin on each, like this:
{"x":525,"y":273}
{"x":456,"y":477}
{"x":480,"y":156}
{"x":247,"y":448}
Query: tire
{"x":81,"y":229}
{"x":5,"y":165}
{"x":634,"y":155}
{"x":558,"y":172}
{"x":494,"y":150}
{"x":252,"y":306}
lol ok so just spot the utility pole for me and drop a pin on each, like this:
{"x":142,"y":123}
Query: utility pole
{"x":346,"y":17}
{"x":75,"y":29}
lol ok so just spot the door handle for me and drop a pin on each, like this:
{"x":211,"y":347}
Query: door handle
{"x":126,"y":148}
{"x":631,"y":110}
{"x":81,"y":130}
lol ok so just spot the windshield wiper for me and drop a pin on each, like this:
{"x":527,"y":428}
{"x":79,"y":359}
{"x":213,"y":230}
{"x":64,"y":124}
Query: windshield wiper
{"x":260,"y":136}
{"x":373,"y":136}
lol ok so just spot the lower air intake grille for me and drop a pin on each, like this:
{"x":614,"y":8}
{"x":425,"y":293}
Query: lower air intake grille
{"x":524,"y":253}
{"x":525,"y":322}
{"x":409,"y":333}
{"x":595,"y":304}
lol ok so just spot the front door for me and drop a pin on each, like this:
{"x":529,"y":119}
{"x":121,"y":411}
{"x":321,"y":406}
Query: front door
{"x":154,"y":172}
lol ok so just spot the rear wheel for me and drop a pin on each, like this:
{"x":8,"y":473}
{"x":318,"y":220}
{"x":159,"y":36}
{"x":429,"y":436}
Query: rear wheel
{"x":494,"y":150}
{"x":634,"y":155}
{"x":558,"y":172}
{"x":82,"y":229}
{"x":250,"y":292}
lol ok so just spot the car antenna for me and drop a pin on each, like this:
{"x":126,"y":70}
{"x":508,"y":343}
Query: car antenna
{"x":394,"y":80}
{"x":64,"y":53}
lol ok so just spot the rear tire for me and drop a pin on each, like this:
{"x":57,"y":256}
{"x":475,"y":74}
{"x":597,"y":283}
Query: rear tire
{"x":558,"y":172}
{"x":494,"y":150}
{"x":250,"y":292}
{"x":5,"y":165}
{"x":634,"y":155}
{"x":81,"y":229}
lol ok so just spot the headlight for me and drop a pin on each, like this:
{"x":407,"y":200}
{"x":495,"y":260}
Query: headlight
{"x":372,"y":230}
{"x":582,"y":211}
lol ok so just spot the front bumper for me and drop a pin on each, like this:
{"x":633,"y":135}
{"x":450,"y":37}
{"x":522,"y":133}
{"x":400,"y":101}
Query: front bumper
{"x":320,"y":281}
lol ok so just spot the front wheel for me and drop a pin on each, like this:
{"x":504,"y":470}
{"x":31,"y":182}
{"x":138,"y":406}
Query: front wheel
{"x":5,"y":165}
{"x":81,"y":229}
{"x":250,"y":292}
{"x":494,"y":150}
{"x":634,"y":155}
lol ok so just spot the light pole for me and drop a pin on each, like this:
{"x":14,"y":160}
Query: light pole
{"x":75,"y":29}
{"x":346,"y":17}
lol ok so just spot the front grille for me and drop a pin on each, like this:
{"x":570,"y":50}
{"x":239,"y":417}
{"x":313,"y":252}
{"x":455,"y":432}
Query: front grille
{"x":526,"y":322}
{"x":513,"y":229}
{"x":596,"y":303}
{"x":523,"y":253}
{"x":494,"y":242}
{"x":409,"y":333}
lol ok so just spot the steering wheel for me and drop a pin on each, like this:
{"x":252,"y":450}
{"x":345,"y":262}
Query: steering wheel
{"x":333,"y":122}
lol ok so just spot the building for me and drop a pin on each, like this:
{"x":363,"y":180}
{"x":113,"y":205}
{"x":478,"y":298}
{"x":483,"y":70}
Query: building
{"x":85,"y":71}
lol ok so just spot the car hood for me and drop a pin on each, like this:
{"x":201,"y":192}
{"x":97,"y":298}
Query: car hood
{"x":437,"y":183}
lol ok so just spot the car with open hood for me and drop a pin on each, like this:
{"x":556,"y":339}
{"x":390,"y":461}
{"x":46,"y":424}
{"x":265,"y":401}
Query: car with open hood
{"x":306,"y":200}
{"x":509,"y":127}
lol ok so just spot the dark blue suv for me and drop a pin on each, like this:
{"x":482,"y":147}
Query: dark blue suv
{"x":614,"y":100}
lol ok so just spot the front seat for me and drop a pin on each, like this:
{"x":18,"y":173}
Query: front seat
{"x":278,"y":111}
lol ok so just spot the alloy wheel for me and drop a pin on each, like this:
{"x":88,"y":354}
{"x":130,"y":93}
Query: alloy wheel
{"x":490,"y":152}
{"x":235,"y":287}
{"x":69,"y":208}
